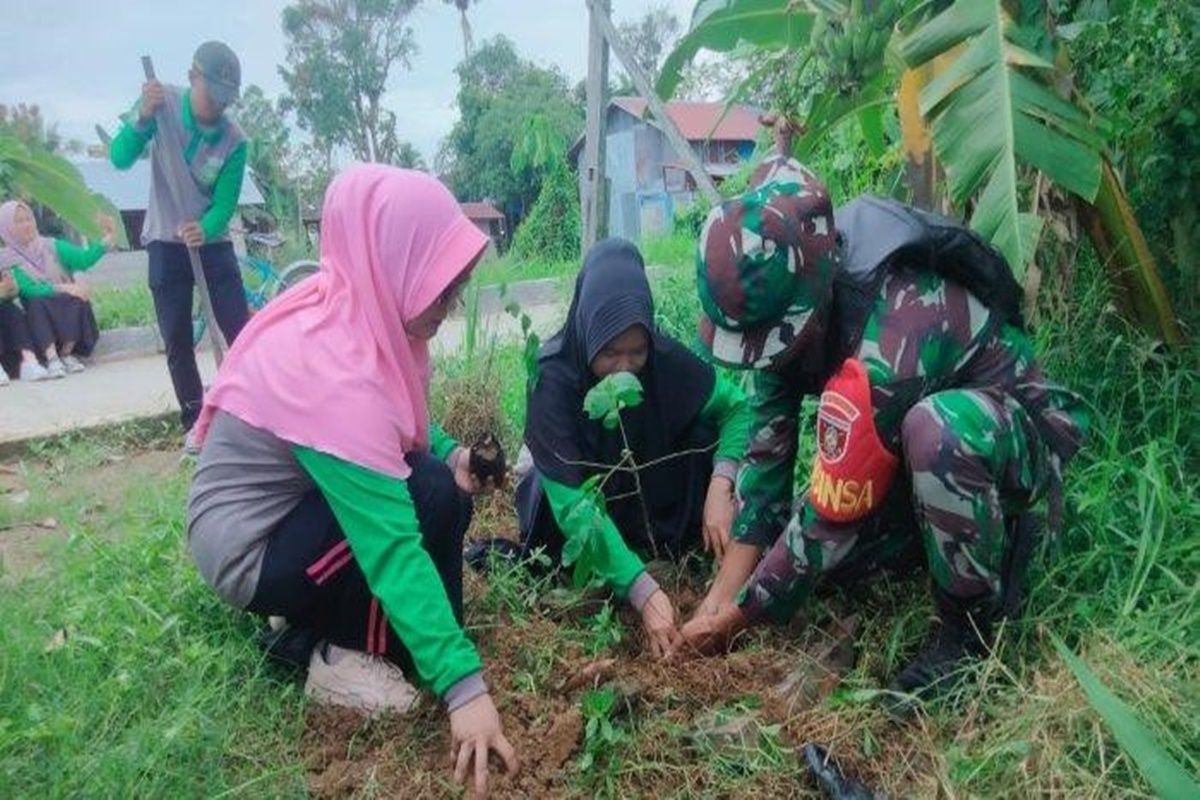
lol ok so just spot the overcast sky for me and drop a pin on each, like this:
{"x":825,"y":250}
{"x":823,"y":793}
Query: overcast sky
{"x":78,"y":59}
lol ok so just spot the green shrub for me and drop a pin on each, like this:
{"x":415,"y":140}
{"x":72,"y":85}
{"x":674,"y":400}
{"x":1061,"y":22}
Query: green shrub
{"x":551,"y":231}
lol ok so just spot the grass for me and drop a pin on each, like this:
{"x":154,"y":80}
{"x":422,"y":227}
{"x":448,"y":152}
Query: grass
{"x":669,"y":250}
{"x":122,"y":307}
{"x":510,"y":269}
{"x":156,"y":690}
{"x":159,"y":691}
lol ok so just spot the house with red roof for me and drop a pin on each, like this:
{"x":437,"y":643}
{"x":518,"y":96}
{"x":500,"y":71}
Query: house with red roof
{"x":647,"y":180}
{"x":488,"y":219}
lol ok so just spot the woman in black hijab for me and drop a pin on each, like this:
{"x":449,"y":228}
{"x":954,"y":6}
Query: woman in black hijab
{"x":690,"y":430}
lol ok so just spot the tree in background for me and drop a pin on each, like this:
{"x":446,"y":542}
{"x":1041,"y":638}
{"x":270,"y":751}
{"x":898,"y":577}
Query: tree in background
{"x":498,"y":92}
{"x":655,"y":34}
{"x":468,"y":39}
{"x":409,"y":157}
{"x":269,"y":151}
{"x":551,"y":230}
{"x":339,"y":56}
{"x":24,"y":121}
{"x":650,"y":38}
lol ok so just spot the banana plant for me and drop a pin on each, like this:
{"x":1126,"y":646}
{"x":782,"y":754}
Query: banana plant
{"x":990,"y":110}
{"x":964,"y":83}
{"x":52,"y":181}
{"x":722,"y":25}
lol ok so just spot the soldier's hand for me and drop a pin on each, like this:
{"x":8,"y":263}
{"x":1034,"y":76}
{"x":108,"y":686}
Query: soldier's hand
{"x":720,"y":509}
{"x":658,"y":620}
{"x":153,"y":96}
{"x":711,"y":630}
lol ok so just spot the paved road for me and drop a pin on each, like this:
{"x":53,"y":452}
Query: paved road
{"x":136,"y":388}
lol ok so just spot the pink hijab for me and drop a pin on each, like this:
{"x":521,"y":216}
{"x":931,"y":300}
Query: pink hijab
{"x":37,"y":257}
{"x":328,"y":364}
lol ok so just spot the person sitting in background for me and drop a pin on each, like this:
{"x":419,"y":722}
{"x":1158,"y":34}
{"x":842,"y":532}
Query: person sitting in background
{"x":62,"y":322}
{"x":324,"y":494}
{"x":690,"y":431}
{"x":16,"y":355}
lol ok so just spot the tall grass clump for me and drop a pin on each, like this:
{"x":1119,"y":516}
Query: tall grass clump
{"x":121,"y":674}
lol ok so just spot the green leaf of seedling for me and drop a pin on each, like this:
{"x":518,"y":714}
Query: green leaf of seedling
{"x":585,"y":517}
{"x":612,"y":394}
{"x":628,"y":388}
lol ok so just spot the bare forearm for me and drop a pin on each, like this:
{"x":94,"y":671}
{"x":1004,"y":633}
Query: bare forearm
{"x":736,"y":567}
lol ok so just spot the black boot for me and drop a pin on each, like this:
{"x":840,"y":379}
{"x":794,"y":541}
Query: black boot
{"x":962,"y":631}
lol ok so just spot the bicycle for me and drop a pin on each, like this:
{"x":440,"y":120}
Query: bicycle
{"x":261,"y":280}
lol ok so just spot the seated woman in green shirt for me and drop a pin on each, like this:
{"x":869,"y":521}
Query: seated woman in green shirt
{"x":689,"y":431}
{"x":61,"y":320}
{"x":323,"y":493}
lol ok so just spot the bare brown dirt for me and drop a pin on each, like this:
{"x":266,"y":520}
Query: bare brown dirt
{"x":347,"y":756}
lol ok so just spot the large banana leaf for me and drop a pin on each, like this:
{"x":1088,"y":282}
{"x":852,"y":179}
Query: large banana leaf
{"x":722,"y":25}
{"x":53,"y":182}
{"x":989,"y":110}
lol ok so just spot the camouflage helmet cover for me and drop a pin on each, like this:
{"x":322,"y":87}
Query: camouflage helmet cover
{"x":765,"y":265}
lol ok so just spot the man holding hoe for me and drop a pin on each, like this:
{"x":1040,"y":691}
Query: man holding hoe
{"x":198,"y":160}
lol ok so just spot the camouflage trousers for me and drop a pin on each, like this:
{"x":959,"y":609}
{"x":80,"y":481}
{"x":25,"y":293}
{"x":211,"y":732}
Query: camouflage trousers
{"x":972,"y":458}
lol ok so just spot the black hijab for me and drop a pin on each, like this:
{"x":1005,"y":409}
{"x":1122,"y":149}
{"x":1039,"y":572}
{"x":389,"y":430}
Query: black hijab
{"x":611,"y":295}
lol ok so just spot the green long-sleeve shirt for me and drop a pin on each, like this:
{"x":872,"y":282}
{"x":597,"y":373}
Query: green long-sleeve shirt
{"x":377,"y":514}
{"x":613,"y":561}
{"x":131,"y":140}
{"x":73,"y":258}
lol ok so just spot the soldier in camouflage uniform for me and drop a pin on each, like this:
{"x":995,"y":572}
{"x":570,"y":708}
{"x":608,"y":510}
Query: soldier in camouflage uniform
{"x":936,"y":428}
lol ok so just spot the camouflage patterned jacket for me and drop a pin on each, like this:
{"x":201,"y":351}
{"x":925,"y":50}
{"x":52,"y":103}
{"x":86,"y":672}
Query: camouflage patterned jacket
{"x":924,"y":334}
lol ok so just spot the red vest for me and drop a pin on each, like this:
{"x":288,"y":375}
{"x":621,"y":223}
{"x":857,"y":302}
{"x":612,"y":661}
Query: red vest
{"x":853,"y":470}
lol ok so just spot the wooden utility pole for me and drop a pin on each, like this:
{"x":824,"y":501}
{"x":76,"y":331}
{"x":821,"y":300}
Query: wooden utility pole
{"x":594,"y":187}
{"x":704,"y":181}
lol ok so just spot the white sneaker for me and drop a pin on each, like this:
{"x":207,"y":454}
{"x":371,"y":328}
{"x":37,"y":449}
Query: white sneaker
{"x":4,"y":380}
{"x":351,"y":679}
{"x":72,"y":365}
{"x":33,"y":371}
{"x":56,"y":368}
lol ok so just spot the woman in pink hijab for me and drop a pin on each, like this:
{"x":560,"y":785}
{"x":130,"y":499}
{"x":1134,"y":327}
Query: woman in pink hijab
{"x":324,"y":494}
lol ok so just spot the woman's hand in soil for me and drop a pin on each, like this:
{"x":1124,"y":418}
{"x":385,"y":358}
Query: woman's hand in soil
{"x":711,"y":629}
{"x":475,"y":731}
{"x":720,"y":509}
{"x":658,"y":620}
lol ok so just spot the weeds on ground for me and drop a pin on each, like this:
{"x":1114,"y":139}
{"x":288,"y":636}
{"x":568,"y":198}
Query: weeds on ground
{"x":120,"y":673}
